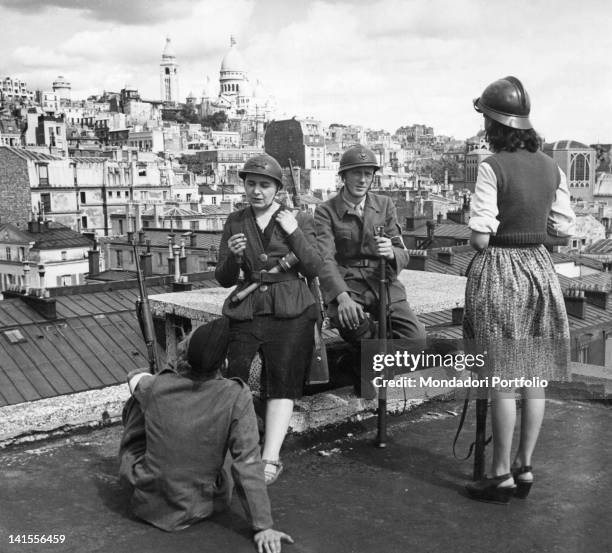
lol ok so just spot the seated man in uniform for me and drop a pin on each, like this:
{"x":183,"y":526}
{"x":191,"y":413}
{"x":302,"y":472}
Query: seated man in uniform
{"x":179,"y":427}
{"x":351,"y":250}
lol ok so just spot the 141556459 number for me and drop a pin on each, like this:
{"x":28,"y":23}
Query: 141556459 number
{"x":37,"y":538}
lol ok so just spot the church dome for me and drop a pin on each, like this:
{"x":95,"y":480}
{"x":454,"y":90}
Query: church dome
{"x":232,"y":61}
{"x":565,"y":145}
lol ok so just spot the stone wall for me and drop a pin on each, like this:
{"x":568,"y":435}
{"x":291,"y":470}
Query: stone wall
{"x":16,"y":204}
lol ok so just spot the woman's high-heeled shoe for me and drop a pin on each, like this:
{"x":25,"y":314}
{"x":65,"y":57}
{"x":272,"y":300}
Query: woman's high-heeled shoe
{"x":489,"y":489}
{"x":523,"y":487}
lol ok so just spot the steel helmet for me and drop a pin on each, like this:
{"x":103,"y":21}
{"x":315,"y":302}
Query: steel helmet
{"x":263,"y":165}
{"x":358,"y":156}
{"x":507,"y":102}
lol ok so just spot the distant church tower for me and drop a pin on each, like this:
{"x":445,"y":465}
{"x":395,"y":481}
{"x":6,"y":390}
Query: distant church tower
{"x":168,"y":75}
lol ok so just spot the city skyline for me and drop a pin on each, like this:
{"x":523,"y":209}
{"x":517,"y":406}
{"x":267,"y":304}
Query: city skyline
{"x":382,"y":65}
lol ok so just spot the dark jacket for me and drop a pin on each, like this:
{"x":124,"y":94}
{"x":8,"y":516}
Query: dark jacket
{"x":286,"y":299}
{"x":346,"y":241}
{"x":190,"y":425}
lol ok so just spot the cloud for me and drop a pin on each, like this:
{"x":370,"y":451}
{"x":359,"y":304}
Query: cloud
{"x":132,"y":12}
{"x":380,"y":63}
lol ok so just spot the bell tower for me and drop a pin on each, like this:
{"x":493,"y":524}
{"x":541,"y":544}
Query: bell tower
{"x":168,"y":75}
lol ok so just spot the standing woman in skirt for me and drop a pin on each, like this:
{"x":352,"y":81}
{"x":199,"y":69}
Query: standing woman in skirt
{"x":514,"y":307}
{"x":277,"y":318}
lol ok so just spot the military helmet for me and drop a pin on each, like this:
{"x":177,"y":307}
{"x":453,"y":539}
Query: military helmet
{"x":507,"y":102}
{"x":263,"y":165}
{"x":358,"y":156}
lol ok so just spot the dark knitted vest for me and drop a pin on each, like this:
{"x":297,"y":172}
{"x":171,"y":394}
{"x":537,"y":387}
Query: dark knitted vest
{"x":526,"y":186}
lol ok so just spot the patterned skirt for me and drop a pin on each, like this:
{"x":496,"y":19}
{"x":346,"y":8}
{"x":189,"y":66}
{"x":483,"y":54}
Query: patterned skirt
{"x":515,"y":312}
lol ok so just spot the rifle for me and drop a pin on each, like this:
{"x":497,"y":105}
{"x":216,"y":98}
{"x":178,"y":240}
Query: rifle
{"x":381,"y":440}
{"x":145,"y":318}
{"x":319,"y":368}
{"x":481,"y":441}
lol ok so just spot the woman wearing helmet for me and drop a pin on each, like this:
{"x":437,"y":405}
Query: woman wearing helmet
{"x":514,"y":307}
{"x":277,"y":318}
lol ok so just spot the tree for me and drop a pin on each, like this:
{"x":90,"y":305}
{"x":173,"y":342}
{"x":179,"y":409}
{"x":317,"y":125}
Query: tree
{"x":216,"y":121}
{"x":437,"y":167}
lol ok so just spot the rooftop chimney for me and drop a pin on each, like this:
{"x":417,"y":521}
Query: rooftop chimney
{"x":417,"y":260}
{"x":597,"y":296}
{"x":137,"y":217}
{"x":146,"y":261}
{"x":457,"y":315}
{"x":575,"y":302}
{"x":446,"y":256}
{"x":94,"y":260}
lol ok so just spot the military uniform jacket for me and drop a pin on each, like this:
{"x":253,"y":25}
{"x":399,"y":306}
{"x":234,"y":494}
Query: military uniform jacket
{"x":347,"y":245}
{"x":283,"y":299}
{"x":190,"y":425}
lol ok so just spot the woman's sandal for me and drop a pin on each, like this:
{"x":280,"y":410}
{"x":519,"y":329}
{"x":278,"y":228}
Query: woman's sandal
{"x":489,"y":489}
{"x":523,"y":487}
{"x":270,"y":476}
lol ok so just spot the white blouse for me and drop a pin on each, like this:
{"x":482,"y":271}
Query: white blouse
{"x":483,"y":217}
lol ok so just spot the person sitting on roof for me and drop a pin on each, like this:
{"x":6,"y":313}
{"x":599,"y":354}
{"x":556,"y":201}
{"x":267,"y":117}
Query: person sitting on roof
{"x":179,"y":426}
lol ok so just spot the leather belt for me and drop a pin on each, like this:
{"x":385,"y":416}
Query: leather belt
{"x":265,"y":277}
{"x":362,"y":263}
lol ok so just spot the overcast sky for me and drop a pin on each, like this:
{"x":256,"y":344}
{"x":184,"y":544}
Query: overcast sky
{"x":382,"y":64}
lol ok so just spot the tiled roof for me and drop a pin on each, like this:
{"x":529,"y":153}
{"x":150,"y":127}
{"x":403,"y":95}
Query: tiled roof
{"x":445,"y":229}
{"x":577,"y":259}
{"x":179,"y":212}
{"x":176,"y":212}
{"x":203,"y":240}
{"x":310,"y":199}
{"x":89,"y":159}
{"x":460,"y":262}
{"x":9,"y":125}
{"x":448,"y":229}
{"x":597,"y":279}
{"x":93,"y":343}
{"x":215,"y":209}
{"x":58,"y":236}
{"x":601,"y":246}
{"x":29,"y":154}
{"x":206,"y":190}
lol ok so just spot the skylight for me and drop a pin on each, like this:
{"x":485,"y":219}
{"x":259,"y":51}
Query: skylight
{"x":14,"y":336}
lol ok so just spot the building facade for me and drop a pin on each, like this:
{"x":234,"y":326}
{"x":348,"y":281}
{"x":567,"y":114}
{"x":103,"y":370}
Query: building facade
{"x":578,"y":162}
{"x":54,"y":250}
{"x":300,"y":140}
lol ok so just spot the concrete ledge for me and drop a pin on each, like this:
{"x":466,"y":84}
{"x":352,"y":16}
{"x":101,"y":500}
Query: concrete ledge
{"x":426,"y":292}
{"x":41,"y":419}
{"x":37,"y":420}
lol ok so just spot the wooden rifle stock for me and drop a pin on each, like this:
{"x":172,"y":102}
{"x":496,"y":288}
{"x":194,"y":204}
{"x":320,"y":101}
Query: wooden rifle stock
{"x":145,"y":318}
{"x":481,"y":438}
{"x":319,"y":367}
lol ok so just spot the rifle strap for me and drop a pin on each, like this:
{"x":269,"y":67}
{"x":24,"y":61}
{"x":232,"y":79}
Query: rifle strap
{"x":466,"y":404}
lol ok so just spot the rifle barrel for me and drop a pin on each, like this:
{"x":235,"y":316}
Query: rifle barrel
{"x":146,"y":319}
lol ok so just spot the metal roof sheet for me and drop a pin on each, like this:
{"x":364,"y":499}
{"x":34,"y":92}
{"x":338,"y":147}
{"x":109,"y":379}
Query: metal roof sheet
{"x":93,"y":343}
